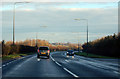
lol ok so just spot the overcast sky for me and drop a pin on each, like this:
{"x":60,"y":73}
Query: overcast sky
{"x":55,"y":21}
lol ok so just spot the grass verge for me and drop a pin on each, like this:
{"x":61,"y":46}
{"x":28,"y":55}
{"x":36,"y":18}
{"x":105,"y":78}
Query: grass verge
{"x":15,"y":56}
{"x":92,"y":55}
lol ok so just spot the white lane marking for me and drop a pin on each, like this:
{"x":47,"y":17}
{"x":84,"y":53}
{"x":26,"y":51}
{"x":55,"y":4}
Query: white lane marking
{"x":70,"y":72}
{"x":101,"y":65}
{"x":66,"y":60}
{"x":66,"y":69}
{"x":98,"y":63}
{"x":7,"y":63}
{"x":27,"y":60}
{"x":10,"y":62}
{"x":116,"y":72}
{"x":58,"y":64}
{"x":52,"y":58}
{"x":4,"y":65}
{"x":55,"y":61}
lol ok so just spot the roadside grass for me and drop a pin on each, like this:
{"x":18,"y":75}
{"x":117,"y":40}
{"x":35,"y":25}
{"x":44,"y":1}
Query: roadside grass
{"x":15,"y":56}
{"x":92,"y":55}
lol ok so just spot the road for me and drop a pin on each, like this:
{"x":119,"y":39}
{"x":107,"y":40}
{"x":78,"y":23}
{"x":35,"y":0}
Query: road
{"x":61,"y":66}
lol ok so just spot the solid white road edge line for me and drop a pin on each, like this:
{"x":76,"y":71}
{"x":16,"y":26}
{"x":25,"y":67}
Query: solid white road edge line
{"x":52,"y":58}
{"x":58,"y":63}
{"x":55,"y":61}
{"x":70,"y":72}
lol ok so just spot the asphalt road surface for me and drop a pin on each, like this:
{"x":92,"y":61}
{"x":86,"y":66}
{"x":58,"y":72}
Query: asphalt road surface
{"x":59,"y":65}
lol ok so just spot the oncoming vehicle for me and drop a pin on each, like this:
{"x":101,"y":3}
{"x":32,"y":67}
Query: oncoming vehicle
{"x":70,"y":53}
{"x":43,"y":51}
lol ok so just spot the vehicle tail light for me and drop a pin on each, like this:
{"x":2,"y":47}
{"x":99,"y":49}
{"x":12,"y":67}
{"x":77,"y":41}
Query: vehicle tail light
{"x":38,"y":50}
{"x":48,"y":51}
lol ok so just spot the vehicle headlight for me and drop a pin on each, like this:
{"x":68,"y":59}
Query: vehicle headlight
{"x":67,"y":52}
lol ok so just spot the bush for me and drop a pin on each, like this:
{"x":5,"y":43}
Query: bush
{"x":106,"y":46}
{"x":16,"y":49}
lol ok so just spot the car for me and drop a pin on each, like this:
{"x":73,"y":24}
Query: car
{"x":70,"y":53}
{"x":43,"y":51}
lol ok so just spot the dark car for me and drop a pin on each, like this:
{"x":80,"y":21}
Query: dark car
{"x":43,"y":51}
{"x":70,"y":53}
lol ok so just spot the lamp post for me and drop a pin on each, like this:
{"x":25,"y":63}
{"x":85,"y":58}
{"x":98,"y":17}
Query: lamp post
{"x":14,"y":20}
{"x":87,"y":27}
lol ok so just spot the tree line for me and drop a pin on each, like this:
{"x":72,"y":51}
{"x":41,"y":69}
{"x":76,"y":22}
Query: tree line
{"x":28,"y":46}
{"x":106,"y":46}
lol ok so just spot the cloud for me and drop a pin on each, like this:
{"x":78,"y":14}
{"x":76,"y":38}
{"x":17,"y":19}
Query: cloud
{"x":58,"y":19}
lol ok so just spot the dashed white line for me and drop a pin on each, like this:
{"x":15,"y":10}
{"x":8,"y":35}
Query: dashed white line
{"x":4,"y":65}
{"x":116,"y":72}
{"x":7,"y":63}
{"x":66,"y":60}
{"x":70,"y":72}
{"x":65,"y":68}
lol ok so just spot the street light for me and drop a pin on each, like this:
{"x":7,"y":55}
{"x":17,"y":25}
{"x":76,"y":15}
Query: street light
{"x":14,"y":20}
{"x":87,"y":27}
